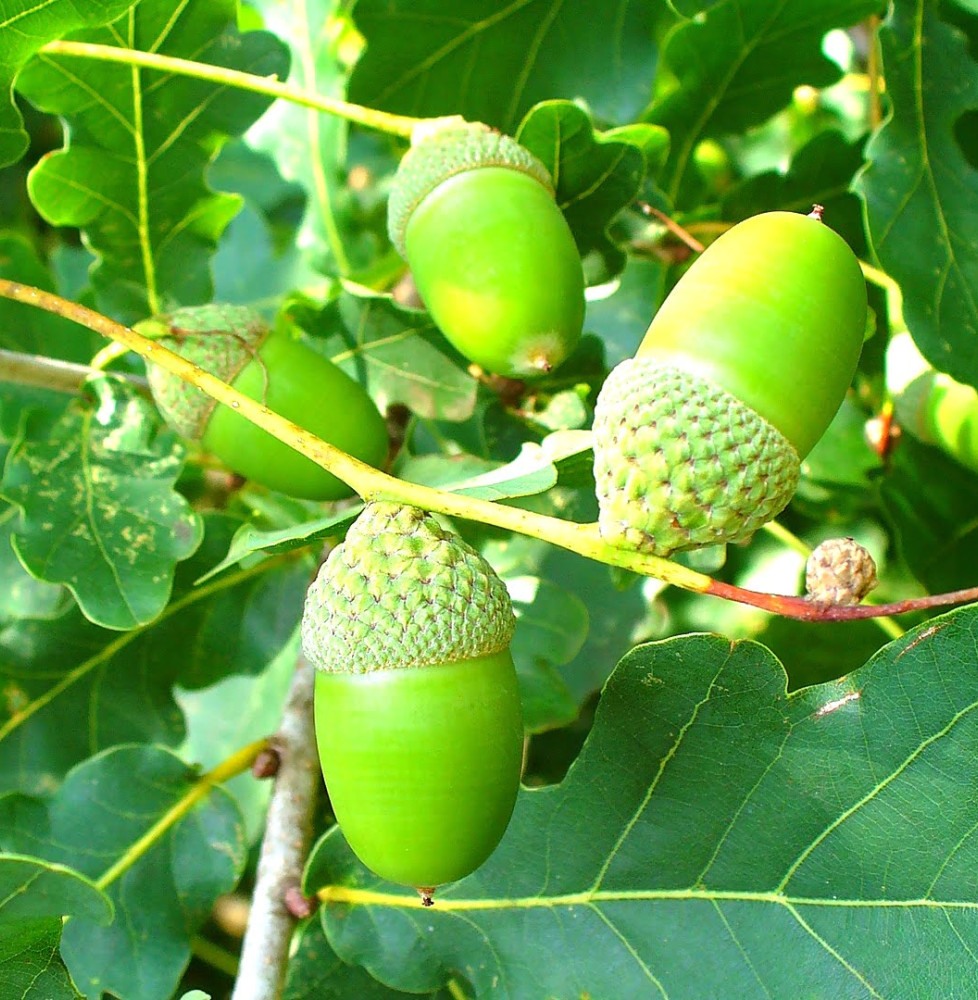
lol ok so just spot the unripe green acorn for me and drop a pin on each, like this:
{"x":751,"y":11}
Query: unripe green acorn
{"x":698,"y":439}
{"x":840,"y":571}
{"x":418,"y":717}
{"x":270,"y":366}
{"x":932,"y":406}
{"x":492,"y":256}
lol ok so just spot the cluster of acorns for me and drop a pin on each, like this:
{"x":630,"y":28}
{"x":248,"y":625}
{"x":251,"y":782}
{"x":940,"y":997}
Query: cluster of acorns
{"x":698,"y":441}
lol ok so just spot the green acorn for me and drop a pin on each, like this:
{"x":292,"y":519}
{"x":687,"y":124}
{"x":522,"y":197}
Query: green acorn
{"x":418,"y":716}
{"x":271,"y":366}
{"x":698,"y":440}
{"x":494,"y":260}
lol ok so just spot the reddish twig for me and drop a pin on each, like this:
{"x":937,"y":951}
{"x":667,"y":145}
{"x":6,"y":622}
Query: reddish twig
{"x":677,"y":230}
{"x":805,"y":610}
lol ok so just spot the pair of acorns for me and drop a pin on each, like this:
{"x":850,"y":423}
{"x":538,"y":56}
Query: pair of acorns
{"x":698,"y":441}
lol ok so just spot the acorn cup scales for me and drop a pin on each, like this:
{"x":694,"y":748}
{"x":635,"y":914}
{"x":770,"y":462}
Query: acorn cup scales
{"x":699,"y":439}
{"x":418,"y":715}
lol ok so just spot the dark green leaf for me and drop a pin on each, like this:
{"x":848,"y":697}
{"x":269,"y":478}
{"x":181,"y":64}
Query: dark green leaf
{"x":820,"y":173}
{"x":22,"y":596}
{"x":442,"y":57}
{"x":596,"y":175}
{"x":35,"y":331}
{"x":920,"y":188}
{"x":34,"y":898}
{"x":315,"y":973}
{"x":551,"y":626}
{"x":25,"y":26}
{"x":813,"y":653}
{"x":30,"y":962}
{"x":227,"y":715}
{"x":165,"y":891}
{"x":738,"y":63}
{"x":98,"y":510}
{"x":713,"y":827}
{"x":928,"y":498}
{"x":132,"y":174}
{"x":842,"y":457}
{"x":71,"y":689}
{"x":31,"y":889}
{"x":249,"y":267}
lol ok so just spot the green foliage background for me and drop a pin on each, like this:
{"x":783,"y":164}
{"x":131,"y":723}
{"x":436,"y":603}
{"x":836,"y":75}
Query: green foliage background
{"x":744,"y":806}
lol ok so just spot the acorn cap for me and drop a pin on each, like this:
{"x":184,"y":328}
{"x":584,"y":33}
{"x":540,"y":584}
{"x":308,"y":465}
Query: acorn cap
{"x":452,"y":149}
{"x":221,"y":339}
{"x":839,"y":571}
{"x":680,"y":463}
{"x":402,"y":592}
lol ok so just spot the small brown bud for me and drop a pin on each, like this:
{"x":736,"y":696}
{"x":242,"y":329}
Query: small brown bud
{"x":839,"y":571}
{"x":298,"y":905}
{"x":266,"y":763}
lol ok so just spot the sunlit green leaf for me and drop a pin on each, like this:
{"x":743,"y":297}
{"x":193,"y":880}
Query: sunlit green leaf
{"x":139,"y":141}
{"x":98,"y":512}
{"x":738,"y":63}
{"x":436,"y":57}
{"x":25,"y":26}
{"x":310,"y":147}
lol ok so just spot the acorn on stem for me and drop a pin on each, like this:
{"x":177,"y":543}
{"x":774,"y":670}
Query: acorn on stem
{"x":932,"y":406}
{"x":699,"y":438}
{"x":273,"y":367}
{"x":418,"y":716}
{"x":474,"y":215}
{"x":840,"y":571}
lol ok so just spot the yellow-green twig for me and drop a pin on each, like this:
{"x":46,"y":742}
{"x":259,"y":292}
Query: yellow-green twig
{"x":234,"y":765}
{"x":371,"y":484}
{"x":382,"y":121}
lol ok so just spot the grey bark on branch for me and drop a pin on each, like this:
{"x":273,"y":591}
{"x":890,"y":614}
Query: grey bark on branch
{"x":285,"y":846}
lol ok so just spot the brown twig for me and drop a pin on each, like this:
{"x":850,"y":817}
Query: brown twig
{"x":677,"y":230}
